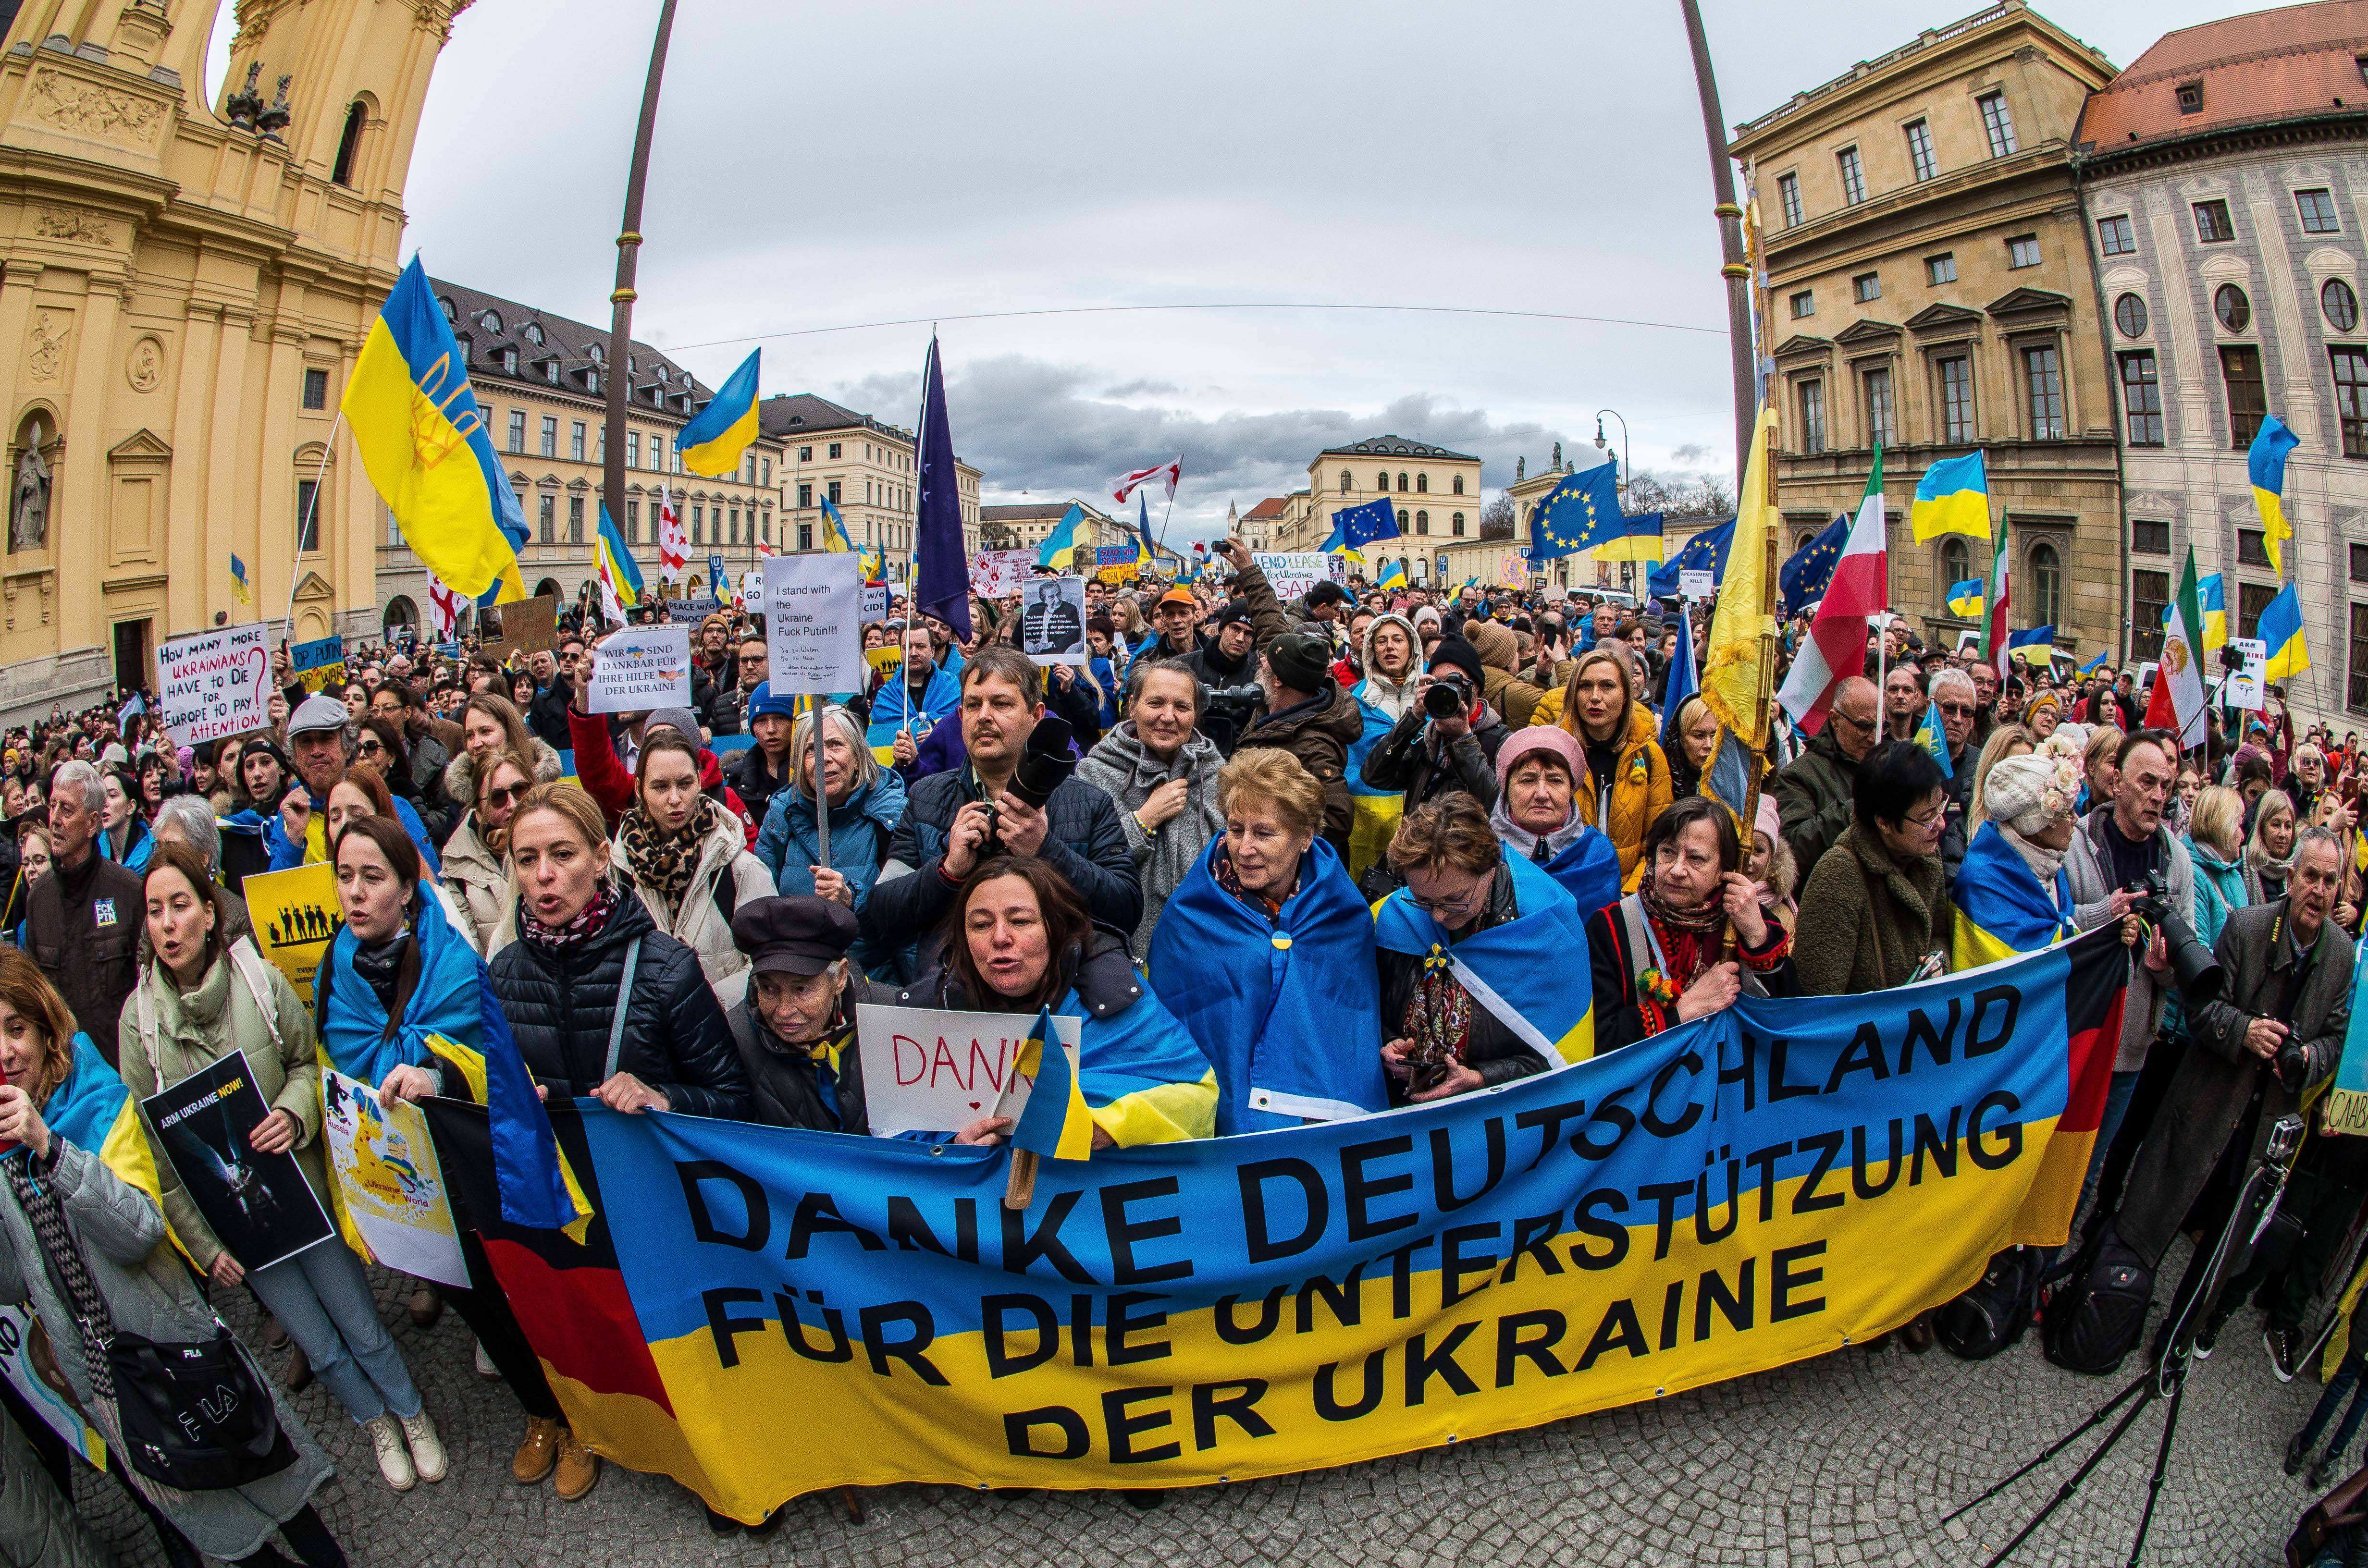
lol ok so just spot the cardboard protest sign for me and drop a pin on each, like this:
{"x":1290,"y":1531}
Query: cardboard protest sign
{"x":297,"y":914}
{"x":17,"y":1329}
{"x":875,"y":601}
{"x":259,"y":1206}
{"x":999,"y":572}
{"x":320,"y":664}
{"x":926,"y":1070}
{"x":887,"y":661}
{"x":214,"y":684}
{"x":1291,"y":574}
{"x":690,"y":612}
{"x":529,"y":625}
{"x":640,"y":668}
{"x":1053,"y":620}
{"x":388,"y":1184}
{"x":813,"y":622}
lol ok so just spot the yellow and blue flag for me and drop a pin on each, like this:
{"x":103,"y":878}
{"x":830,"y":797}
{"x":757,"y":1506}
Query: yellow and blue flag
{"x":2281,"y":633}
{"x":1582,"y":512}
{"x":93,"y":1110}
{"x":711,"y":443}
{"x":1934,"y":739}
{"x":1353,"y":527}
{"x":2002,"y":906}
{"x":2093,"y":666}
{"x":425,"y":445}
{"x":2265,"y":462}
{"x":240,"y":589}
{"x":1393,"y":576}
{"x":1055,"y":1122}
{"x":616,"y":564}
{"x":1499,"y":966}
{"x":1953,"y":497}
{"x":1059,"y":549}
{"x":1966,"y":598}
{"x":834,"y":529}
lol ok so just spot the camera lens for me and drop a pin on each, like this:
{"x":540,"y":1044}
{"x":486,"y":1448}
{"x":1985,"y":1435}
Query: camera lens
{"x":1441,"y":701}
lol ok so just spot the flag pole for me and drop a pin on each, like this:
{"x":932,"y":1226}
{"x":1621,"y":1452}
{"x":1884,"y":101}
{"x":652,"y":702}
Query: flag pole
{"x":629,"y":243}
{"x":296,"y":570}
{"x":821,"y":784}
{"x":1730,"y":239}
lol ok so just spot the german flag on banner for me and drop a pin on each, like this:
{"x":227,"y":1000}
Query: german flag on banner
{"x":2093,"y":993}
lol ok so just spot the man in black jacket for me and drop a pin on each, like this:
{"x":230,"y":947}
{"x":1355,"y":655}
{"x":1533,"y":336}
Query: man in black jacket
{"x":1424,"y":756}
{"x":957,"y":819}
{"x":555,"y":689}
{"x":83,"y":922}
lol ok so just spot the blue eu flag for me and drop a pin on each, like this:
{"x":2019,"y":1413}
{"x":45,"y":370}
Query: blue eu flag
{"x":1357,"y":527}
{"x":1706,"y":552}
{"x":1579,"y":513}
{"x":1806,"y":577}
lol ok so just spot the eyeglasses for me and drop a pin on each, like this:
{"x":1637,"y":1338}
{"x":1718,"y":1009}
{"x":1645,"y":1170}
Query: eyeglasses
{"x":1853,"y":721}
{"x":1928,"y":819}
{"x":1446,"y":905}
{"x":748,"y":659}
{"x":498,"y":796}
{"x":1955,"y":710}
{"x":371,"y":748}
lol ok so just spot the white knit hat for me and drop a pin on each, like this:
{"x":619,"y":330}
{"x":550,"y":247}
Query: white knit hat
{"x":2028,"y":792}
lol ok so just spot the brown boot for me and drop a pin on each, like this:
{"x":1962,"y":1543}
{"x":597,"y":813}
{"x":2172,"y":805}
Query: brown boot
{"x":296,"y":1373}
{"x":426,"y":1305}
{"x":1917,"y":1336}
{"x":536,"y":1456}
{"x":578,"y":1469}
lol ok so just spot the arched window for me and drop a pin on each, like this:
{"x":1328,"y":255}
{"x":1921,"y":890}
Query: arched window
{"x":491,"y":321}
{"x":1344,"y":481}
{"x":449,"y":314}
{"x":1402,"y":483}
{"x":1422,"y":522}
{"x":1384,"y":482}
{"x":2342,"y":305}
{"x":533,"y":333}
{"x":1459,"y":484}
{"x":2047,"y":586}
{"x":349,"y":143}
{"x":1801,"y":541}
{"x":1456,"y":524}
{"x":1953,"y":568}
{"x":1422,"y":485}
{"x":598,"y":355}
{"x":1402,"y":521}
{"x":399,"y":611}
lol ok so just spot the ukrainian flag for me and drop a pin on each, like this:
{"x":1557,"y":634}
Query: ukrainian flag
{"x":1393,"y":576}
{"x":616,"y":562}
{"x":834,"y":529}
{"x":423,"y":443}
{"x":2212,"y":600}
{"x":1060,"y":547}
{"x":711,"y":443}
{"x":1055,"y":1122}
{"x":1639,"y":538}
{"x":1966,"y":598}
{"x":2093,"y":666}
{"x":2265,"y":460}
{"x":1953,"y":497}
{"x":1499,"y":966}
{"x":2003,"y":907}
{"x":2281,"y":633}
{"x":240,"y":589}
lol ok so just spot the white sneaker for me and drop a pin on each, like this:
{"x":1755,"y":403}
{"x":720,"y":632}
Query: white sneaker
{"x":427,"y":1448}
{"x":485,"y":1368}
{"x":394,"y":1459}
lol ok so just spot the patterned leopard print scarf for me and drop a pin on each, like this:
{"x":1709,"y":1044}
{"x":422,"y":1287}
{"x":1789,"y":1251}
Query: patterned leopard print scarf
{"x":665,"y":862}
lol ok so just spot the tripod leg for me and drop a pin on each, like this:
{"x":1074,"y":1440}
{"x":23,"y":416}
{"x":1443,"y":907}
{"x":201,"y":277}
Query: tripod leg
{"x":2072,"y":1483}
{"x":2066,"y":1441}
{"x":2154,"y":1481}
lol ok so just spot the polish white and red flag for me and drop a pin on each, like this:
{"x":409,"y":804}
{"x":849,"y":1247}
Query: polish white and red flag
{"x":1835,"y":649}
{"x":1128,"y":485}
{"x":673,"y":550}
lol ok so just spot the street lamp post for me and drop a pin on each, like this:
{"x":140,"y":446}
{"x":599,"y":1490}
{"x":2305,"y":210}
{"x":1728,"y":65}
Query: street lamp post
{"x":629,"y":243}
{"x":1599,"y":444}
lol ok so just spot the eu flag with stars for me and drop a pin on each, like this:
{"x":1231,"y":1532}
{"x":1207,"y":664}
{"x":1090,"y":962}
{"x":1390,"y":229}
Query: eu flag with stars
{"x":1579,"y":513}
{"x":1354,"y":528}
{"x":1706,"y":552}
{"x":1806,"y":577}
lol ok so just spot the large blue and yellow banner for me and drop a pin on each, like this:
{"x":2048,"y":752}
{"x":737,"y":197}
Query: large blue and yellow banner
{"x":1770,"y":1183}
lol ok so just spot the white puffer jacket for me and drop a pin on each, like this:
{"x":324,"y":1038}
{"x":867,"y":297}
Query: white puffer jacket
{"x":701,"y":924}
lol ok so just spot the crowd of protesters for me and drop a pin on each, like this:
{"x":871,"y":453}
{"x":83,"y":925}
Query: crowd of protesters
{"x":678,"y":911}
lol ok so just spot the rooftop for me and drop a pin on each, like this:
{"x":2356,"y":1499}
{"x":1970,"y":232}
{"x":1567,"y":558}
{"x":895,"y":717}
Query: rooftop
{"x":1272,"y":507}
{"x":490,"y":328}
{"x":1394,"y":447}
{"x":2265,"y":67}
{"x":1032,"y":512}
{"x":791,"y":415}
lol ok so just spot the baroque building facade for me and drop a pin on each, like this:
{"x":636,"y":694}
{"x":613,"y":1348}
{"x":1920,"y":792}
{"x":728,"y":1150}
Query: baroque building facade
{"x":862,"y":465}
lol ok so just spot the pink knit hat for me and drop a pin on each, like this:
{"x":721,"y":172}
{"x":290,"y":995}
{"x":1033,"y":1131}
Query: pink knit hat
{"x":1536,"y":738}
{"x":1771,"y":822}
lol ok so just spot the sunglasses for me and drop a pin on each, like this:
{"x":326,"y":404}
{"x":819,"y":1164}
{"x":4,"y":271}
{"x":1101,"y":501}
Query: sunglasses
{"x":371,"y":748}
{"x":500,"y":796}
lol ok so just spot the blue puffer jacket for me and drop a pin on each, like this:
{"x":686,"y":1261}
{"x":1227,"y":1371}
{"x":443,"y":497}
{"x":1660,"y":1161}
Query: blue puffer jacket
{"x":2219,"y":889}
{"x":859,"y":831}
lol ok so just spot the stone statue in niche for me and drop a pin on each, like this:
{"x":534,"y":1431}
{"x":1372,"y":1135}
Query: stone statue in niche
{"x":29,"y":508}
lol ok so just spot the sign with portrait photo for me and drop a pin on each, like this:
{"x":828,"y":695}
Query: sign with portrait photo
{"x":1053,"y":620}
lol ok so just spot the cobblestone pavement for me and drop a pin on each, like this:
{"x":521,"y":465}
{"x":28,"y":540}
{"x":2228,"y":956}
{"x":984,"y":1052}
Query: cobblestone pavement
{"x":1851,"y":1458}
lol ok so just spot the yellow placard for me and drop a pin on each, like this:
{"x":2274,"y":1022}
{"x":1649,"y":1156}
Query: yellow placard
{"x":296,"y":915}
{"x":885,"y":660}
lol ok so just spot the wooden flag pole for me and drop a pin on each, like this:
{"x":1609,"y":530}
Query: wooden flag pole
{"x":1020,"y":1186}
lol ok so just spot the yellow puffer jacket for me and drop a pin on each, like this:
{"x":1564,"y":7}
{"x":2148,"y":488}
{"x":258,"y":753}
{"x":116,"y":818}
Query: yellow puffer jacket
{"x":1641,"y":789}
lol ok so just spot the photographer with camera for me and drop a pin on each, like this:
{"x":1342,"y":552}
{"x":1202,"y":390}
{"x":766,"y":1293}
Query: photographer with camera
{"x":1309,"y":716}
{"x":1446,"y":738}
{"x":1015,"y":794}
{"x":2273,"y":1034}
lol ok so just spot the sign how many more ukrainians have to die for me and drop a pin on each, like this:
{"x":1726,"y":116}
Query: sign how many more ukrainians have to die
{"x":926,"y":1070}
{"x":813,"y":606}
{"x":214,"y":684}
{"x":640,"y":668}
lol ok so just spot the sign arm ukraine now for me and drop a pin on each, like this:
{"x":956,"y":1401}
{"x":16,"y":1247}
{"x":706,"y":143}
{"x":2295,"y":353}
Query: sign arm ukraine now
{"x":1765,"y":1184}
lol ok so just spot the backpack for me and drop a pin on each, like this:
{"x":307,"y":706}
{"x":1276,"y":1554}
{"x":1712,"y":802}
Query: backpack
{"x":2097,"y":1316}
{"x":1993,"y":1315}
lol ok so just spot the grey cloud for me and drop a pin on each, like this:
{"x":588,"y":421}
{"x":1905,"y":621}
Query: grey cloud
{"x":1691,"y":455}
{"x":1142,"y":389}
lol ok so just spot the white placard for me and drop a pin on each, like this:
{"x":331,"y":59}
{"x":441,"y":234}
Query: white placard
{"x":813,"y":622}
{"x":752,"y":592}
{"x":875,"y":602}
{"x":1692,"y":585}
{"x":1291,"y":574}
{"x":1053,"y":620}
{"x":640,"y":668}
{"x":998,"y":573}
{"x":389,"y":1182}
{"x":214,"y":683}
{"x":15,"y":1359}
{"x":926,"y":1070}
{"x":2243,"y":689}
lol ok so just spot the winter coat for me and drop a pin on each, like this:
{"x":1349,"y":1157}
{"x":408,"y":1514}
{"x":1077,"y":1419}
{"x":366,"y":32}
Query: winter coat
{"x":2092,"y":888}
{"x":2217,"y":1075}
{"x":748,"y":771}
{"x":87,"y":952}
{"x":1319,"y":732}
{"x":149,"y":1292}
{"x":1268,"y":622}
{"x":479,"y":883}
{"x":2219,"y":889}
{"x":1392,"y":698}
{"x":1408,"y":760}
{"x":1083,"y":841}
{"x":559,"y":1010}
{"x":1641,"y":790}
{"x":728,"y":876}
{"x":1813,"y":798}
{"x":862,"y":828}
{"x":1866,"y":920}
{"x":1499,"y":648}
{"x":460,"y":774}
{"x":1122,"y":766}
{"x":39,"y":1526}
{"x":608,"y":780}
{"x":547,"y":715}
{"x":785,"y":1080}
{"x":192,"y":1032}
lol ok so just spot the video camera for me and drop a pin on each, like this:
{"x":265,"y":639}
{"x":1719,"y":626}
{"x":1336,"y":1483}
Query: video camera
{"x":2192,"y":965}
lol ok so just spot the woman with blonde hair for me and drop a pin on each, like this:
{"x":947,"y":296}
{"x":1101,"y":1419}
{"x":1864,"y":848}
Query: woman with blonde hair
{"x":1628,"y":782}
{"x":2007,"y":740}
{"x":2268,"y":856}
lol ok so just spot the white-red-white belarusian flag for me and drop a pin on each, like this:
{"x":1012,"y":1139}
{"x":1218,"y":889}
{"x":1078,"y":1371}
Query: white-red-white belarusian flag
{"x":1861,"y":589}
{"x":1126,"y":486}
{"x":673,"y":550}
{"x":2177,"y":700}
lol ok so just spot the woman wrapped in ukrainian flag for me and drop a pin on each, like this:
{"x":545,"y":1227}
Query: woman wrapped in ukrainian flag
{"x":2012,"y":893}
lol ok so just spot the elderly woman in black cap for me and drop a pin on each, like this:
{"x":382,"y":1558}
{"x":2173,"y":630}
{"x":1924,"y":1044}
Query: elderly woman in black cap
{"x":795,"y":1030}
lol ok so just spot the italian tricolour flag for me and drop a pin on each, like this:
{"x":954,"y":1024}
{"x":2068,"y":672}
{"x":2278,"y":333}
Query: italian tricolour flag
{"x":2177,"y":700}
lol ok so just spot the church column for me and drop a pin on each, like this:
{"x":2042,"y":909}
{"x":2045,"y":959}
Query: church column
{"x":187,"y":516}
{"x":82,"y":468}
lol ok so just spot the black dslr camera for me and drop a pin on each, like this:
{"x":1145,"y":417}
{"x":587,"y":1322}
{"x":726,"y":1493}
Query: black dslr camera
{"x":1045,"y":764}
{"x":2197,"y":973}
{"x":1449,"y":695}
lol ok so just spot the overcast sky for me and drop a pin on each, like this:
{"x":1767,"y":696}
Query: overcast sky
{"x":828,"y":166}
